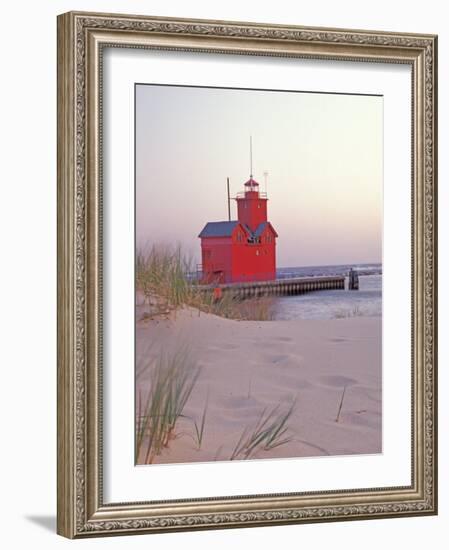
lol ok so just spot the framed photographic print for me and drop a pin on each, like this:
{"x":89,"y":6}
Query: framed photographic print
{"x":246,"y":274}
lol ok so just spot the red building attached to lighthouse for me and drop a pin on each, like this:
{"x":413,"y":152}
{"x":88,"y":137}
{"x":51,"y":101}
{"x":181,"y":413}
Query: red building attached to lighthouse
{"x":242,"y":250}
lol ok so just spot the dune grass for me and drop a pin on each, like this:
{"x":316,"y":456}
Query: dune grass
{"x":199,"y":428}
{"x":160,"y":274}
{"x":337,"y":418}
{"x":172,"y":379}
{"x":250,"y":309}
{"x":270,"y":431}
{"x":161,"y":277}
{"x":254,"y":309}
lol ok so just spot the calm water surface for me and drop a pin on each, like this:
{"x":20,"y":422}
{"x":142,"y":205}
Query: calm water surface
{"x":332,"y":304}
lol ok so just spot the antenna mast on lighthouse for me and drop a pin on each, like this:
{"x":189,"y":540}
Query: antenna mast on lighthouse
{"x":229,"y":200}
{"x":251,"y":156}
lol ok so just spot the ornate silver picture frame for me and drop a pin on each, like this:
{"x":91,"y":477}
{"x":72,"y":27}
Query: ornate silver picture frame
{"x":83,"y":510}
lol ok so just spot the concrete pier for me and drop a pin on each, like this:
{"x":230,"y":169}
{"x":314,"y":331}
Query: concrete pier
{"x":279,"y":287}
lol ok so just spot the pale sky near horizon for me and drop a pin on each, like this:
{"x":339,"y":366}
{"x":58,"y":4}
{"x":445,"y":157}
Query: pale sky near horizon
{"x":323,"y":154}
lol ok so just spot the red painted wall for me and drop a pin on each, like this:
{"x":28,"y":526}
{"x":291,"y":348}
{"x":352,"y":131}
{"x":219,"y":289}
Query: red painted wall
{"x":216,"y":257}
{"x":251,"y":209}
{"x":255,"y":262}
{"x":232,"y":260}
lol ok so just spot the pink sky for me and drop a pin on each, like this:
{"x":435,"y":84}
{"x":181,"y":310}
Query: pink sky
{"x":322,"y":152}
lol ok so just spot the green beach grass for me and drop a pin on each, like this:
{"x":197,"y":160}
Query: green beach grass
{"x":172,"y":379}
{"x":270,"y":431}
{"x":161,"y":277}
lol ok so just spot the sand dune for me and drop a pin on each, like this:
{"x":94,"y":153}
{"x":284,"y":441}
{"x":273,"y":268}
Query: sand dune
{"x":248,"y":366}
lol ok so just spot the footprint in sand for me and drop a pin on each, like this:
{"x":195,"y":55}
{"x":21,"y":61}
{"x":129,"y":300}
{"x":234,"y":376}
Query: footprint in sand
{"x":238,"y":403}
{"x":278,"y":358}
{"x":269,"y":343}
{"x":281,"y":382}
{"x":336,"y":381}
{"x":262,"y":345}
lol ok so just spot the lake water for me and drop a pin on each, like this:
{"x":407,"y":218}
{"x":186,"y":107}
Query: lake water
{"x":332,"y":304}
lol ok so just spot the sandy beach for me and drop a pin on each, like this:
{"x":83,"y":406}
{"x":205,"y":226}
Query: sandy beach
{"x":251,"y":366}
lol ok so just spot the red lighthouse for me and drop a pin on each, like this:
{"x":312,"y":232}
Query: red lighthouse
{"x":242,"y":250}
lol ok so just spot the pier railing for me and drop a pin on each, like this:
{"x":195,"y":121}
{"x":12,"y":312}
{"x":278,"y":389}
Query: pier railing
{"x":279,"y":287}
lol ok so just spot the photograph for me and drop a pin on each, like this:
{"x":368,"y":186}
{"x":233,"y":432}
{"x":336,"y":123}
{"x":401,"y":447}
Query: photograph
{"x":258,"y":274}
{"x":247,"y":273}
